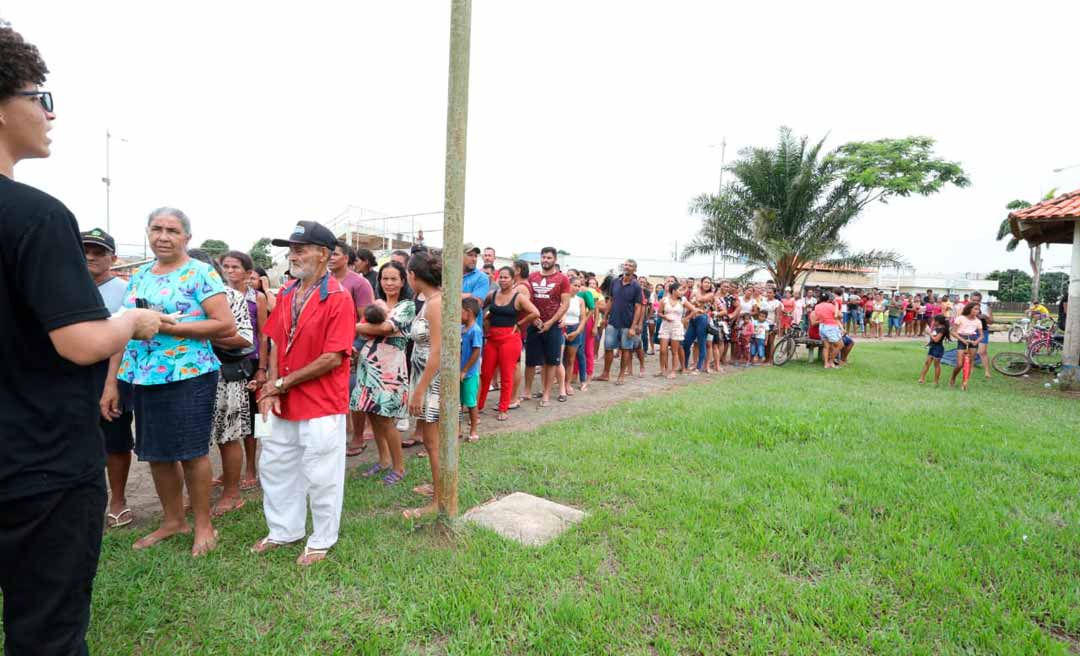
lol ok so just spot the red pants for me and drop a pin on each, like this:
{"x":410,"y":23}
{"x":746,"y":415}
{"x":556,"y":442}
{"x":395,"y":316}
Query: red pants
{"x":502,"y":349}
{"x":590,"y":347}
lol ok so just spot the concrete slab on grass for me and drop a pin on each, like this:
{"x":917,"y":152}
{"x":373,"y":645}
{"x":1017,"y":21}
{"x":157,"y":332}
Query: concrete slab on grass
{"x":527,"y":519}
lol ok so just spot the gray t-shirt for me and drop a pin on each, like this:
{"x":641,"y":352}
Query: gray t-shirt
{"x":112,"y":292}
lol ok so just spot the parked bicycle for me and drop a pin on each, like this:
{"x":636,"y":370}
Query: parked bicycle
{"x":1043,"y":352}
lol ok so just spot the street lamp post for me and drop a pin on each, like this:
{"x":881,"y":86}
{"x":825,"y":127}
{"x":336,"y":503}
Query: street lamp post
{"x":720,"y":190}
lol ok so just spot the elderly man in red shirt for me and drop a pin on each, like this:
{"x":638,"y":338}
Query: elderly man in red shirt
{"x":312,"y":329}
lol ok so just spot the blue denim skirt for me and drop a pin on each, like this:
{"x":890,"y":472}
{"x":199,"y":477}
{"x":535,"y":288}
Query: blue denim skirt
{"x":173,"y":421}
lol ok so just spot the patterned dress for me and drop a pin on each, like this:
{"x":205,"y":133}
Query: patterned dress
{"x":382,"y":375}
{"x":232,"y":410}
{"x":421,"y":336}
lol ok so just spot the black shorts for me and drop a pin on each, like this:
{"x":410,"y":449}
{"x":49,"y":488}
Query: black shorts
{"x":543,"y":348}
{"x":118,"y":435}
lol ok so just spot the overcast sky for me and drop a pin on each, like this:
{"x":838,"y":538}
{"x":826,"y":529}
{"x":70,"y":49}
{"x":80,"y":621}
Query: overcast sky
{"x":590,"y":123}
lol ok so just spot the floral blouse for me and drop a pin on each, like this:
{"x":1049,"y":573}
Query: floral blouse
{"x":166,"y":359}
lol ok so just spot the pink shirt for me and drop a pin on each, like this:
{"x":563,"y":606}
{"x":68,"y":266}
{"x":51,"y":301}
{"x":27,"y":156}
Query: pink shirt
{"x":966,"y":326}
{"x":826,"y":314}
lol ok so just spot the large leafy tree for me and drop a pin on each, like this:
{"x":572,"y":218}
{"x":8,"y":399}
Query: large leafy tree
{"x":215,"y":247}
{"x":260,"y":253}
{"x":1014,"y":285}
{"x":1034,"y":252}
{"x":787,"y":205}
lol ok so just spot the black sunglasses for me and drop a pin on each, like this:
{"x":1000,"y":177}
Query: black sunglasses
{"x":44,"y":97}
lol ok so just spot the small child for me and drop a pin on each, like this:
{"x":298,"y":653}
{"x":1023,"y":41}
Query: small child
{"x":744,"y":331}
{"x":761,"y":331}
{"x":472,"y":343}
{"x":939,"y":334}
{"x":374,"y":314}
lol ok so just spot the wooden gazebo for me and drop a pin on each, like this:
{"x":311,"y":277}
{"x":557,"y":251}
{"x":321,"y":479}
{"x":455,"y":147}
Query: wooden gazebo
{"x":1057,"y":221}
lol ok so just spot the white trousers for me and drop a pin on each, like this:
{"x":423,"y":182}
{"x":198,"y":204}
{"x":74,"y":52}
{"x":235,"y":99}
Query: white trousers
{"x":302,"y":461}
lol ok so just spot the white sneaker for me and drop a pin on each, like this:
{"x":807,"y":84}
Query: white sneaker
{"x":403,"y":425}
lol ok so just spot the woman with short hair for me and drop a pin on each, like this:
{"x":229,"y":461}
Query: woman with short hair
{"x":175,"y":375}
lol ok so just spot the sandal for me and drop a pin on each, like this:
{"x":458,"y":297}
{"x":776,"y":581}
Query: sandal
{"x":249,"y":484}
{"x":217,"y":511}
{"x":217,"y":482}
{"x":406,"y":444}
{"x":392,"y":478}
{"x":562,"y":398}
{"x":426,"y":490}
{"x":356,"y":450}
{"x":311,"y":556}
{"x":266,"y":544}
{"x":514,"y":406}
{"x":117,"y":520}
{"x":502,"y":416}
{"x":473,"y":438}
{"x":374,"y":469}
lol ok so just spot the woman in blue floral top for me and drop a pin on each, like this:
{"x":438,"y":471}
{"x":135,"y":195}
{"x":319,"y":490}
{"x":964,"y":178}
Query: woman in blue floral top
{"x":175,"y":374}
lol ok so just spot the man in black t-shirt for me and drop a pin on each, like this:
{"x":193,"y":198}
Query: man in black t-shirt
{"x":53,"y":329}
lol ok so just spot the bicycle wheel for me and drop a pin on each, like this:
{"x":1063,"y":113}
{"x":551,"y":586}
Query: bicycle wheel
{"x":1016,"y":334}
{"x":783,"y":351}
{"x":1011,"y":363}
{"x":1045,"y":355}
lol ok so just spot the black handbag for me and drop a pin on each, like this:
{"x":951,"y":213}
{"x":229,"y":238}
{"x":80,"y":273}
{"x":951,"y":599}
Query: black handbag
{"x":236,"y":365}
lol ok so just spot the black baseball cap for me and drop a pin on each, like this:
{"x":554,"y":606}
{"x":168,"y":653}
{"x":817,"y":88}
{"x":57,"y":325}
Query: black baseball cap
{"x":309,"y":232}
{"x":99,"y":237}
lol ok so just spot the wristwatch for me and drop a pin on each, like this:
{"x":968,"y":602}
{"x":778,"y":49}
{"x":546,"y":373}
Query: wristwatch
{"x":280,"y":384}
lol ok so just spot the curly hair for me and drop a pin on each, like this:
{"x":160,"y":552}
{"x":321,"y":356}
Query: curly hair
{"x":22,"y":63}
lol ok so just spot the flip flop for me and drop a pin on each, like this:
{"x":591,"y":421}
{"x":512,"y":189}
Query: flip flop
{"x":406,"y":444}
{"x":501,"y":417}
{"x":215,"y":512}
{"x":266,"y":544}
{"x":393,"y":478}
{"x":249,"y":484}
{"x":473,"y":438}
{"x":356,"y":450}
{"x":374,"y":469}
{"x":311,"y":556}
{"x":514,"y":406}
{"x":116,"y":521}
{"x":562,"y":398}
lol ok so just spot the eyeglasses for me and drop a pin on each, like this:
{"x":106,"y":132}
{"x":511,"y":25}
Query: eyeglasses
{"x":44,"y":97}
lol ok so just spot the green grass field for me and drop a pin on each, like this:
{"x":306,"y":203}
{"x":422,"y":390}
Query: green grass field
{"x":790,"y":510}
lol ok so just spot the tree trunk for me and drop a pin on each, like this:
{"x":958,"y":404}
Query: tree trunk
{"x":1035,"y":257}
{"x":457,"y":112}
{"x":1070,"y":372}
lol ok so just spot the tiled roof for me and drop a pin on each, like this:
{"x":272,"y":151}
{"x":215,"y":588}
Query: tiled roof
{"x":1050,"y":221}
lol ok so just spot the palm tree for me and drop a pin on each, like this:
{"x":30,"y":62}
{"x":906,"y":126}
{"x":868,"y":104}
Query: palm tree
{"x":783,"y":214}
{"x":787,"y":205}
{"x":1034,"y":252}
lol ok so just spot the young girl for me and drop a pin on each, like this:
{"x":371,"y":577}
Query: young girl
{"x":744,"y":332}
{"x":968,"y":331}
{"x":675,"y":313}
{"x":939,"y":334}
{"x":878,"y":316}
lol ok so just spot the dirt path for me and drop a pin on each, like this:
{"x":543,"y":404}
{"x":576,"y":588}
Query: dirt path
{"x":144,"y":502}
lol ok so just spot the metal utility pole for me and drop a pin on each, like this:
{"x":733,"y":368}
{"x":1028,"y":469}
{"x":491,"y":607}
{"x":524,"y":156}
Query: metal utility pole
{"x":720,"y":188}
{"x":108,"y":181}
{"x":457,"y":113}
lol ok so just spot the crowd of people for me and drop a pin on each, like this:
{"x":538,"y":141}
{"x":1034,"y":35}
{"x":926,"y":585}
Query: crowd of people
{"x":180,"y":357}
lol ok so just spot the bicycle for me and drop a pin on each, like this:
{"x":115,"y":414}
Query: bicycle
{"x":1018,"y":330}
{"x":1043,"y":352}
{"x":784,"y":350}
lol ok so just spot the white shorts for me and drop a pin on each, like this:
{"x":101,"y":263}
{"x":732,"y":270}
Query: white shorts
{"x":672,"y":330}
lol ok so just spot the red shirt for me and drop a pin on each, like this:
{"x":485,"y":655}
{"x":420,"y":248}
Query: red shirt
{"x":327,"y":325}
{"x":547,"y":292}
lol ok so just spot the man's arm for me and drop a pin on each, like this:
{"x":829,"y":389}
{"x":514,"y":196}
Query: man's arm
{"x":564,"y":305}
{"x":636,"y":323}
{"x":88,"y":342}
